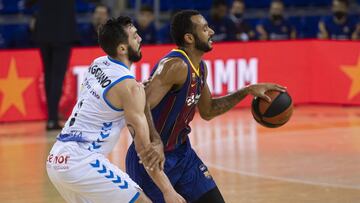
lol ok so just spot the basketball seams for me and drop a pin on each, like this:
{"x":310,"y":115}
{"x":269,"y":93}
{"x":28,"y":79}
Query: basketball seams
{"x":275,"y":114}
{"x":281,"y":118}
{"x":264,"y":106}
{"x":278,"y":105}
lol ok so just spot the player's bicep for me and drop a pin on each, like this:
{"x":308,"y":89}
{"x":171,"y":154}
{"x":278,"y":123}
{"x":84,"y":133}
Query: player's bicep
{"x":134,"y":106}
{"x":156,"y":90}
{"x":129,"y":96}
{"x":133,"y":102}
{"x":173,"y":72}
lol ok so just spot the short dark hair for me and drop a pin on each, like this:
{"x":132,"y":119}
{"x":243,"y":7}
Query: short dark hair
{"x":113,"y":33}
{"x":346,"y":2}
{"x":146,"y":8}
{"x":182,"y":24}
{"x":104,"y":6}
{"x":218,"y":3}
{"x":240,"y":1}
{"x":277,"y":1}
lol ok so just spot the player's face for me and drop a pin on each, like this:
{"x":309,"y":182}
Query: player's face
{"x":237,"y":8}
{"x":276,"y":8}
{"x":220,"y":11}
{"x":100,"y":15}
{"x":134,"y":47}
{"x":202,"y":33}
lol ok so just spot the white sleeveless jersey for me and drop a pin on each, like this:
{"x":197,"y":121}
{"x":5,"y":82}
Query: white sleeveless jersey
{"x":94,"y":122}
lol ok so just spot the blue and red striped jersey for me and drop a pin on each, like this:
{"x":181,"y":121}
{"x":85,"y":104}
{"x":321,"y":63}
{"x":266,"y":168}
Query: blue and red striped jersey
{"x":176,"y":110}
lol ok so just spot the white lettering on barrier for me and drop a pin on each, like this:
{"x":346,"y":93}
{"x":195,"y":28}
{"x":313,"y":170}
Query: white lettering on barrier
{"x":145,"y":71}
{"x":209,"y":78}
{"x":79,"y":72}
{"x":224,"y":74}
{"x":247,"y":72}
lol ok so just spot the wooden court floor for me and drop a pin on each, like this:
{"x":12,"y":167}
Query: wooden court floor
{"x":314,"y":158}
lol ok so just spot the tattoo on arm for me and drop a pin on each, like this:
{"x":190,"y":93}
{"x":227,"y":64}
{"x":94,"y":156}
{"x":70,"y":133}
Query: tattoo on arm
{"x":223,"y":104}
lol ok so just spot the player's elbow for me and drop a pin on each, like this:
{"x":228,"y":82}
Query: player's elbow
{"x":206,"y":116}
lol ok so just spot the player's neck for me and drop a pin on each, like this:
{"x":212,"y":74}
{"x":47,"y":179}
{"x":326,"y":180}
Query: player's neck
{"x":194,"y":55}
{"x":124,"y":60}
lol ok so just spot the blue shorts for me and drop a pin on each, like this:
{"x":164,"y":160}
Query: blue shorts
{"x":187,"y":173}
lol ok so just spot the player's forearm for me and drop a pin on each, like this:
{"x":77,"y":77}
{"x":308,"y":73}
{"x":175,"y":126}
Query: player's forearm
{"x":161,"y":180}
{"x":140,"y":133}
{"x":223,"y":104}
{"x":154,"y":135}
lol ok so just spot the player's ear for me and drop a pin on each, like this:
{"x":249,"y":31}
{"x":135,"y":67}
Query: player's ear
{"x":122,"y":49}
{"x":189,"y":38}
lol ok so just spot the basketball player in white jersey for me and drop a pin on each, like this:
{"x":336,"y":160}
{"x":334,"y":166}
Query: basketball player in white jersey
{"x":110,"y":98}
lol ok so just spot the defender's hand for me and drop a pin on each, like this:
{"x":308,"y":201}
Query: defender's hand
{"x":258,"y":90}
{"x":153,"y":156}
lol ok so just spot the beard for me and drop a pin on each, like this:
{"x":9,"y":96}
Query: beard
{"x":134,"y":56}
{"x":201,"y":45}
{"x":277,"y":17}
{"x":339,"y":14}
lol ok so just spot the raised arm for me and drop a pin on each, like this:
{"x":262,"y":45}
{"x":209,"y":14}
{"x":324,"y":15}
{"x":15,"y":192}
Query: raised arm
{"x":323,"y":34}
{"x":356,"y":34}
{"x":263,"y":35}
{"x":210,"y":107}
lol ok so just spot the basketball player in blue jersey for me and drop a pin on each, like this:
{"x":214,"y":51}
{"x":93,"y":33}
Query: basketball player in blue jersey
{"x":176,"y":87}
{"x":110,"y":98}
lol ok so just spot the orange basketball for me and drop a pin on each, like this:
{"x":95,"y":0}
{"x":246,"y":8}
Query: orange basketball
{"x":273,"y":114}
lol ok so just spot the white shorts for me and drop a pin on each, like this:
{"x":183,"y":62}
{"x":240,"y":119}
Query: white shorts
{"x":82,"y":176}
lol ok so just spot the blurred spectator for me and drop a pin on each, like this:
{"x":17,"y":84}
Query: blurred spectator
{"x":276,"y":27}
{"x":164,"y":36}
{"x":20,"y":36}
{"x":55,"y":31}
{"x":3,"y":41}
{"x":145,"y":25}
{"x":88,"y":32}
{"x":15,"y":36}
{"x":243,"y":29}
{"x":220,"y":22}
{"x":340,"y":25}
{"x":32,"y":22}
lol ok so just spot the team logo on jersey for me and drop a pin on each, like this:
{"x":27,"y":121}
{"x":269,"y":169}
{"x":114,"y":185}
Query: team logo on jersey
{"x":205,"y":171}
{"x":101,"y":77}
{"x":106,"y":63}
{"x":192,"y":99}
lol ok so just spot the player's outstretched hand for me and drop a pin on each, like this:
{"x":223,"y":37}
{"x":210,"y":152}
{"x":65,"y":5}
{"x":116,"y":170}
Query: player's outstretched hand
{"x":258,"y":90}
{"x":173,"y":197}
{"x":153,"y":156}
